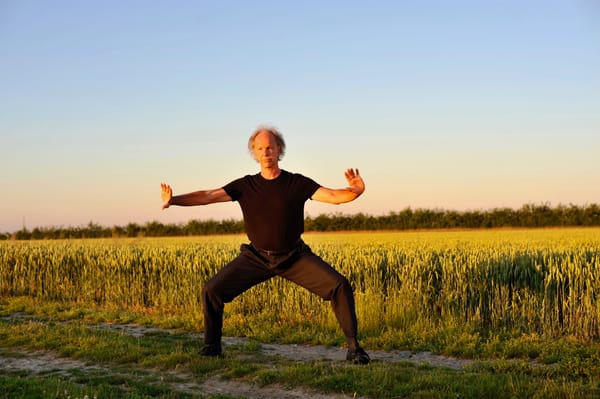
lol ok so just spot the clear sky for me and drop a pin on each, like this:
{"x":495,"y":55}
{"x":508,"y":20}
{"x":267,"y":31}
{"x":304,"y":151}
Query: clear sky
{"x":441,"y":104}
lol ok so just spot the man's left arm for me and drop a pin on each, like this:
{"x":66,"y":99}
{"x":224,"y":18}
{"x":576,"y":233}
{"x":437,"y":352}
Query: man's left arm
{"x":356,"y":186}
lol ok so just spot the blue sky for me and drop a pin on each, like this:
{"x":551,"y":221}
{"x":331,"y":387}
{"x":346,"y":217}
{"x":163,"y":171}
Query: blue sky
{"x":453,"y":105}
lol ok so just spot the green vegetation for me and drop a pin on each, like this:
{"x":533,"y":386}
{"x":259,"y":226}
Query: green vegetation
{"x":154,"y":364}
{"x":529,"y":216}
{"x":523,"y":303}
{"x":82,"y":385}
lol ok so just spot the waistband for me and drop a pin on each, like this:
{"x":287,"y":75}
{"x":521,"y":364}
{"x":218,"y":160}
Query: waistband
{"x":277,"y":253}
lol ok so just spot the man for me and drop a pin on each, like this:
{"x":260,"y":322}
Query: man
{"x":272,"y":203}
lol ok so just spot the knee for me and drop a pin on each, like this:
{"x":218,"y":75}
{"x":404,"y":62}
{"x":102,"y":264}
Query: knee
{"x":217,"y":291}
{"x":342,"y":286}
{"x":210,"y":289}
{"x":345,"y":283}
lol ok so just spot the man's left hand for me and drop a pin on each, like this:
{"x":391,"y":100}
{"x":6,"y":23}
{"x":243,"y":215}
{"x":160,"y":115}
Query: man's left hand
{"x":355,"y":182}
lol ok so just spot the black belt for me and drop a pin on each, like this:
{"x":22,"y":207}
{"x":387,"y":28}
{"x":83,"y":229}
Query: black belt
{"x":277,"y":253}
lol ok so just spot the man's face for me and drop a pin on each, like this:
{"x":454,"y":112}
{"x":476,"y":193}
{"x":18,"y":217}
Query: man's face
{"x":265,"y":149}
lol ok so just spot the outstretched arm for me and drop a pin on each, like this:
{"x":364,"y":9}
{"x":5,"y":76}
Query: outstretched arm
{"x":202,"y":197}
{"x":356,"y":186}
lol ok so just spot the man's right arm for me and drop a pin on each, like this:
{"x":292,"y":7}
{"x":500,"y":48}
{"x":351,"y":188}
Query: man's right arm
{"x":202,"y":197}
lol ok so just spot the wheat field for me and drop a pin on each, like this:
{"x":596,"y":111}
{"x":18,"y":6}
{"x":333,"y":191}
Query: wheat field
{"x":542,"y":281}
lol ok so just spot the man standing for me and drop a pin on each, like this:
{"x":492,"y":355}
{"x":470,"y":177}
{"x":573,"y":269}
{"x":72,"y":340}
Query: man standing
{"x":272,"y":204}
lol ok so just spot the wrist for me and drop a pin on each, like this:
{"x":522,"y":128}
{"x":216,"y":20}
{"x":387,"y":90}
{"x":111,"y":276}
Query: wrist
{"x":168,"y":203}
{"x":356,"y":190}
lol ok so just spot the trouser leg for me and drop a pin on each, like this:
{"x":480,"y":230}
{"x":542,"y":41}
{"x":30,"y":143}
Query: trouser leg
{"x":317,"y":276}
{"x":235,"y":278}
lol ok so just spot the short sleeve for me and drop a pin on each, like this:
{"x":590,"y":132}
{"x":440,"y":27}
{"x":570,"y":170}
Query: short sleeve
{"x":234,"y":189}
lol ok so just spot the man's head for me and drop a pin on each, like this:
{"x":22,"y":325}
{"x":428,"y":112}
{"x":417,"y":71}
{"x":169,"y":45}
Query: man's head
{"x":266,"y":138}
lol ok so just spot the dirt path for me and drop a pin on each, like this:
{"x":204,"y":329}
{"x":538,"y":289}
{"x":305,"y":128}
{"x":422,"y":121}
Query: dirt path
{"x":37,"y":363}
{"x":315,"y":352}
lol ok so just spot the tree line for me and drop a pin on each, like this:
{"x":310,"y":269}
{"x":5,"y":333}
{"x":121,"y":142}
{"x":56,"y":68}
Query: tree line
{"x":528,"y":215}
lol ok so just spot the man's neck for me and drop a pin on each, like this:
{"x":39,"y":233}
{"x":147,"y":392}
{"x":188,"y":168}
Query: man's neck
{"x":270,"y":173}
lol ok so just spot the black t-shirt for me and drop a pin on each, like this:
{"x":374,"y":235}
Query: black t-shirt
{"x":273,"y":209}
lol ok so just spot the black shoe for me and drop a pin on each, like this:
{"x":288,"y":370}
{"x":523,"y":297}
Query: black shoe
{"x":358,"y":356}
{"x":212,"y":351}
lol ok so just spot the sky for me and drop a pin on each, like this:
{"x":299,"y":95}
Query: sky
{"x":457,"y":105}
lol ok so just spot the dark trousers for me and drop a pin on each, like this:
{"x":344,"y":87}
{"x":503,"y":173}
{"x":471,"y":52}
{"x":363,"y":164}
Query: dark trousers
{"x":253,"y":266}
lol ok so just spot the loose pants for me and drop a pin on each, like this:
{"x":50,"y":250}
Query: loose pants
{"x":253,"y":266}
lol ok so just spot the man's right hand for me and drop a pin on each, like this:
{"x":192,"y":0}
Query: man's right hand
{"x":166,"y":194}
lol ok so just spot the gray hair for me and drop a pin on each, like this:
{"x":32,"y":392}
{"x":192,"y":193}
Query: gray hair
{"x":276,"y":134}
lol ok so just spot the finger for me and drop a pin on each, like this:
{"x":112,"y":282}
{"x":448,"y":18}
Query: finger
{"x":351,"y":173}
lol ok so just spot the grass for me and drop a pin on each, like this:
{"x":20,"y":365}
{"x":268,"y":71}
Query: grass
{"x":19,"y":385}
{"x":150,"y":365}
